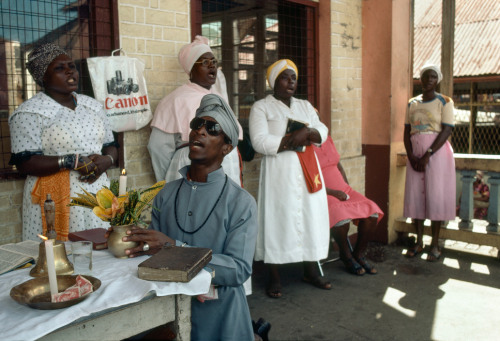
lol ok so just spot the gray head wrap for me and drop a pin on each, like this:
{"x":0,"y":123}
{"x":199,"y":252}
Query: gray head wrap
{"x":40,"y":58}
{"x":214,"y":106}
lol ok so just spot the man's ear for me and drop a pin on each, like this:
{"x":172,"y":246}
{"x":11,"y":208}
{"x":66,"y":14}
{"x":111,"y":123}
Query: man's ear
{"x":227,"y":148}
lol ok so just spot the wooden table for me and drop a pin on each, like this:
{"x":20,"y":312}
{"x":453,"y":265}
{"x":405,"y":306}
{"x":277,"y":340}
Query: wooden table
{"x":130,"y":320}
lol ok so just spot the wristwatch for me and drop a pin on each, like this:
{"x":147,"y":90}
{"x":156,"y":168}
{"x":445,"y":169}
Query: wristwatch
{"x":430,"y":151}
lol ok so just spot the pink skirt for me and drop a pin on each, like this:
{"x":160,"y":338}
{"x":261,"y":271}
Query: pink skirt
{"x":358,"y":206}
{"x":431,"y":194}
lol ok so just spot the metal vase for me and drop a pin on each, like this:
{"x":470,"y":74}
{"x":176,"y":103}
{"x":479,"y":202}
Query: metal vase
{"x":115,"y":243}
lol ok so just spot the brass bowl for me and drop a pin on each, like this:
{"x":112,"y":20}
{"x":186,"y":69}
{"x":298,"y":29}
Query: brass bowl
{"x":35,"y":293}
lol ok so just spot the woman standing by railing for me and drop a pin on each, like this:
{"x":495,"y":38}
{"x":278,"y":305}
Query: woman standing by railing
{"x":430,"y":172}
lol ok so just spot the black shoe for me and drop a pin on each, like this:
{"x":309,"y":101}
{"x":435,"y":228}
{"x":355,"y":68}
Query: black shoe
{"x":261,"y":328}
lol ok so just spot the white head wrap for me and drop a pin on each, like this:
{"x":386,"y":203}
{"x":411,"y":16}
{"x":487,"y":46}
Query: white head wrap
{"x":190,"y":53}
{"x":214,"y":106}
{"x":434,"y":67}
{"x":278,"y":67}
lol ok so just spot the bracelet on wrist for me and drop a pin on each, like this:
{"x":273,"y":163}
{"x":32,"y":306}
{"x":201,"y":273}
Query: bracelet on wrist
{"x":70,"y":161}
{"x":60,"y":161}
{"x":112,"y":160}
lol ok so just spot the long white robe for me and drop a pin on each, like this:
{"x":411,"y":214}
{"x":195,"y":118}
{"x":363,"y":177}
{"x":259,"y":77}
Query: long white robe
{"x":293,"y":223}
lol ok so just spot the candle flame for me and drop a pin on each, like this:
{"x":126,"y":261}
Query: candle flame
{"x":124,"y":172}
{"x":43,"y":237}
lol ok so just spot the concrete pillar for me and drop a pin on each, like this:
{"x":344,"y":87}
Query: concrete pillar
{"x":493,"y":217}
{"x":386,"y":79}
{"x":466,"y":200}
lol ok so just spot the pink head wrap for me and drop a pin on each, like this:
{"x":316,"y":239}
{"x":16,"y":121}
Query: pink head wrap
{"x":191,"y":52}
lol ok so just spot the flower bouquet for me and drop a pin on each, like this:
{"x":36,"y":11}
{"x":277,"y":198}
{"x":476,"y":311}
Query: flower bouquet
{"x":118,"y":210}
{"x":121,"y":211}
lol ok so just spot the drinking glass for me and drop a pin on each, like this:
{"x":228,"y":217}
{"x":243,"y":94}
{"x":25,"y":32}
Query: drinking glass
{"x":82,"y":257}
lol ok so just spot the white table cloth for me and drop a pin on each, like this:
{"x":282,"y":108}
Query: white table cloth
{"x":119,"y":286}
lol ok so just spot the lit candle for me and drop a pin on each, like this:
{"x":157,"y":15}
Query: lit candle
{"x":123,"y":183}
{"x":51,"y":266}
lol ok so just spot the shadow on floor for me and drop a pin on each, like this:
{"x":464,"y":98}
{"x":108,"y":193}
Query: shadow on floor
{"x":408,"y":299}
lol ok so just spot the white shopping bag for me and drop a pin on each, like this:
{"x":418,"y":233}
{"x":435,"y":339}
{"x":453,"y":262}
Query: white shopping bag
{"x":119,"y":84}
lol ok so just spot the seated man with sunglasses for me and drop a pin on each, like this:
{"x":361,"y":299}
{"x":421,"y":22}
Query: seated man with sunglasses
{"x":207,"y":209}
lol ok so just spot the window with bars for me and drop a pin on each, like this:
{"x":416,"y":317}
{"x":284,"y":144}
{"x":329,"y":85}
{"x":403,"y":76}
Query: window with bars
{"x":83,"y":27}
{"x":248,"y":36}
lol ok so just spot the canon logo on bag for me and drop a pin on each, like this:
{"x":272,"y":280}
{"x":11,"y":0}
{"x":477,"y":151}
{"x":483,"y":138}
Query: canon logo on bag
{"x":129,"y":102}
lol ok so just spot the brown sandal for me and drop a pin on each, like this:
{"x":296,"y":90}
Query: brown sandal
{"x":434,"y":254}
{"x":273,"y":290}
{"x":318,"y":282}
{"x":353,"y":267}
{"x":369,"y":269}
{"x":413,"y":252}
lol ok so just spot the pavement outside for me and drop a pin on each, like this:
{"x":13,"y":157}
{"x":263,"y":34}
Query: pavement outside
{"x":456,"y":298}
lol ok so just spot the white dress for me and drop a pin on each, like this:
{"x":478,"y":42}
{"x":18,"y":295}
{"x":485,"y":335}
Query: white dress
{"x":293,"y":223}
{"x":43,"y":126}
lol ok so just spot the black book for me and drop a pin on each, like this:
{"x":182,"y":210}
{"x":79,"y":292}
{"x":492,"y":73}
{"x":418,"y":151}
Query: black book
{"x":294,"y":125}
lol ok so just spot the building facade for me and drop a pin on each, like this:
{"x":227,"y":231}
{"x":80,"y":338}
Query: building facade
{"x":353,"y":57}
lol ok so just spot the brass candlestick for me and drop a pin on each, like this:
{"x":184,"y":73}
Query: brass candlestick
{"x":62,"y":263}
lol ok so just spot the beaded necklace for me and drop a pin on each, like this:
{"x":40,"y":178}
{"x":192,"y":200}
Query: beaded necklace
{"x":211,"y":211}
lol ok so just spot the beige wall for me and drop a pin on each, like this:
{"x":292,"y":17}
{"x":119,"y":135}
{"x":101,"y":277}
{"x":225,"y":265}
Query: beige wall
{"x":11,"y":199}
{"x":346,"y":109}
{"x":152,"y":31}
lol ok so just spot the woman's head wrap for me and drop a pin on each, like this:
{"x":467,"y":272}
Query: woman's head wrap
{"x":40,"y":58}
{"x":214,"y":106}
{"x":190,"y":53}
{"x":278,"y":67}
{"x":434,"y":67}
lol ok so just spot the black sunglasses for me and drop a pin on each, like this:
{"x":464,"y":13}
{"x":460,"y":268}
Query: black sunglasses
{"x":213,"y":128}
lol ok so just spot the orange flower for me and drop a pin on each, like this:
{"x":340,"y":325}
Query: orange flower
{"x":109,"y":205}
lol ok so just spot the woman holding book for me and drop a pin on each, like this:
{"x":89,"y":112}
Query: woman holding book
{"x":62,"y":141}
{"x":292,"y":205}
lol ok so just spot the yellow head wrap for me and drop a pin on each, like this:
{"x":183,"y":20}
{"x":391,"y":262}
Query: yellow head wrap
{"x":278,"y":67}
